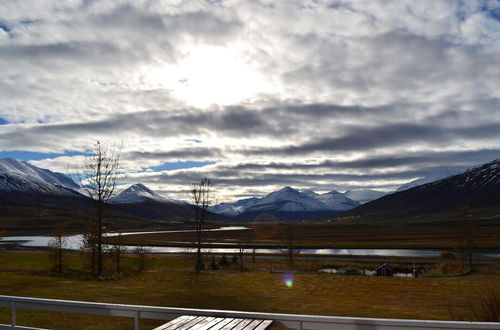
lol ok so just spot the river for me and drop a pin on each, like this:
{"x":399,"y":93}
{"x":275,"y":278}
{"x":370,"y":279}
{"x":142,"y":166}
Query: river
{"x":73,"y":242}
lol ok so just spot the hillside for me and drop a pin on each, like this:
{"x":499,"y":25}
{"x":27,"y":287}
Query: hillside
{"x":477,"y":188}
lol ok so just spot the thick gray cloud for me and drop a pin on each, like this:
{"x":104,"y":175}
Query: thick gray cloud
{"x":316,"y":94}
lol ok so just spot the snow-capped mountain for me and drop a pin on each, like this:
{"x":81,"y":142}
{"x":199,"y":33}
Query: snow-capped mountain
{"x":288,"y":200}
{"x":477,"y":188}
{"x":233,"y":209}
{"x":21,"y":176}
{"x":337,"y":201}
{"x":139,"y":193}
{"x":364,"y":195}
{"x":435,"y":176}
{"x":310,"y":193}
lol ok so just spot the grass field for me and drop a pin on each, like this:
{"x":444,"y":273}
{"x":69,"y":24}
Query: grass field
{"x":170,"y":281}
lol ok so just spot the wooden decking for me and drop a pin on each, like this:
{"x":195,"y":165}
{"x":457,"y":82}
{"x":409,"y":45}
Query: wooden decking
{"x":214,"y":323}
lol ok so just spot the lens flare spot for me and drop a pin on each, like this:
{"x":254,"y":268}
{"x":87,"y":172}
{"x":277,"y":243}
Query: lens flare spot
{"x":287,"y":279}
{"x":265,"y":226}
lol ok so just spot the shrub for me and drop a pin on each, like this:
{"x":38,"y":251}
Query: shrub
{"x":223,"y":261}
{"x":453,"y":267}
{"x":447,"y":255}
{"x":213,"y":264}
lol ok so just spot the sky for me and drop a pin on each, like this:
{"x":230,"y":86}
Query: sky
{"x":255,"y":95}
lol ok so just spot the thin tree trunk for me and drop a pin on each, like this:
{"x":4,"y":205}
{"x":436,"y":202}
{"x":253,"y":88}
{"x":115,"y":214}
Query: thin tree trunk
{"x":241,"y":258}
{"x":198,"y":253}
{"x":290,"y":244}
{"x":60,"y":252}
{"x":99,"y":238}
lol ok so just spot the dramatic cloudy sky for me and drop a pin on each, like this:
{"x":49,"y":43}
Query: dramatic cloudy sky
{"x":254,"y":94}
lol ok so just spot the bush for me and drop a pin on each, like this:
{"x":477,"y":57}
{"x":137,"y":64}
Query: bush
{"x":213,"y":264}
{"x":454,"y":267}
{"x":223,"y":261}
{"x":447,"y":255}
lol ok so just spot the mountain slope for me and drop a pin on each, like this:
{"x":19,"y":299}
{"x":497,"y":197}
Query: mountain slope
{"x":478,"y":187}
{"x":435,"y":176}
{"x":19,"y":176}
{"x":138,"y":193}
{"x":289,"y":204}
{"x":337,"y":201}
{"x":364,"y":195}
{"x":286,"y":199}
{"x":233,"y":209}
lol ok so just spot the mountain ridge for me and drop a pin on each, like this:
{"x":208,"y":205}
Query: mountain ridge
{"x":478,"y":188}
{"x":289,"y":203}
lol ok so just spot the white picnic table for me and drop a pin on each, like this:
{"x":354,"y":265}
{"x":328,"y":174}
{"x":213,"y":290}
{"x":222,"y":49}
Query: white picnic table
{"x":214,"y":323}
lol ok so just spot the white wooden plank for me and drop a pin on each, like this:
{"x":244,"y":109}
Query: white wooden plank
{"x":264,"y":325}
{"x":243,"y":324}
{"x":232,"y":324}
{"x":252,"y":325}
{"x":175,"y":321}
{"x":195,"y":323}
{"x":186,"y":325}
{"x":210,"y":324}
{"x":221,"y":324}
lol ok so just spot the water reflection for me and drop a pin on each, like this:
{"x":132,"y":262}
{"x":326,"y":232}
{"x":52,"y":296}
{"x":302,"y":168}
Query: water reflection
{"x":74,"y":242}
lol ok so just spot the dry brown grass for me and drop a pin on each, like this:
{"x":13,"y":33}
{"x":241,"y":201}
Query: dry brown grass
{"x":171,"y":282}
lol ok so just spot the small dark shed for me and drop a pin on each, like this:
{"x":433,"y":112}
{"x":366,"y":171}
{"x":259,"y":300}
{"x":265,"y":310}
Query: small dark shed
{"x":384,"y":270}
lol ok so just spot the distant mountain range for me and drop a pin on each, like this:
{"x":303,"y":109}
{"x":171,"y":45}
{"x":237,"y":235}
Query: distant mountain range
{"x":291,"y":204}
{"x":27,"y":191}
{"x":27,"y":185}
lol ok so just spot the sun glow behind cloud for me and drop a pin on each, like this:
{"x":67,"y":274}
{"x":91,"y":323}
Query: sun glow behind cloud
{"x":209,"y":75}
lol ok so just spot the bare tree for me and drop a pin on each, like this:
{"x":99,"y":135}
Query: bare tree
{"x":117,"y":251}
{"x":469,"y":232}
{"x":201,"y":198}
{"x":242,"y":254}
{"x":88,"y":248}
{"x":290,"y":236}
{"x":56,"y":244}
{"x":99,"y":177}
{"x":142,"y":251}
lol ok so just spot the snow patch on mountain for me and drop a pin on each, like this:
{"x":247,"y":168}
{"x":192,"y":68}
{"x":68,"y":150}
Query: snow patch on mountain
{"x":364,"y":195}
{"x":288,"y":199}
{"x":435,"y":176}
{"x":139,"y":193}
{"x":22,"y":176}
{"x":337,"y":201}
{"x":309,"y":193}
{"x":233,"y":209}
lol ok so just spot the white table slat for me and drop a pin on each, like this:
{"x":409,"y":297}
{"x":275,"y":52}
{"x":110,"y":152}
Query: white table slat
{"x":190,"y":322}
